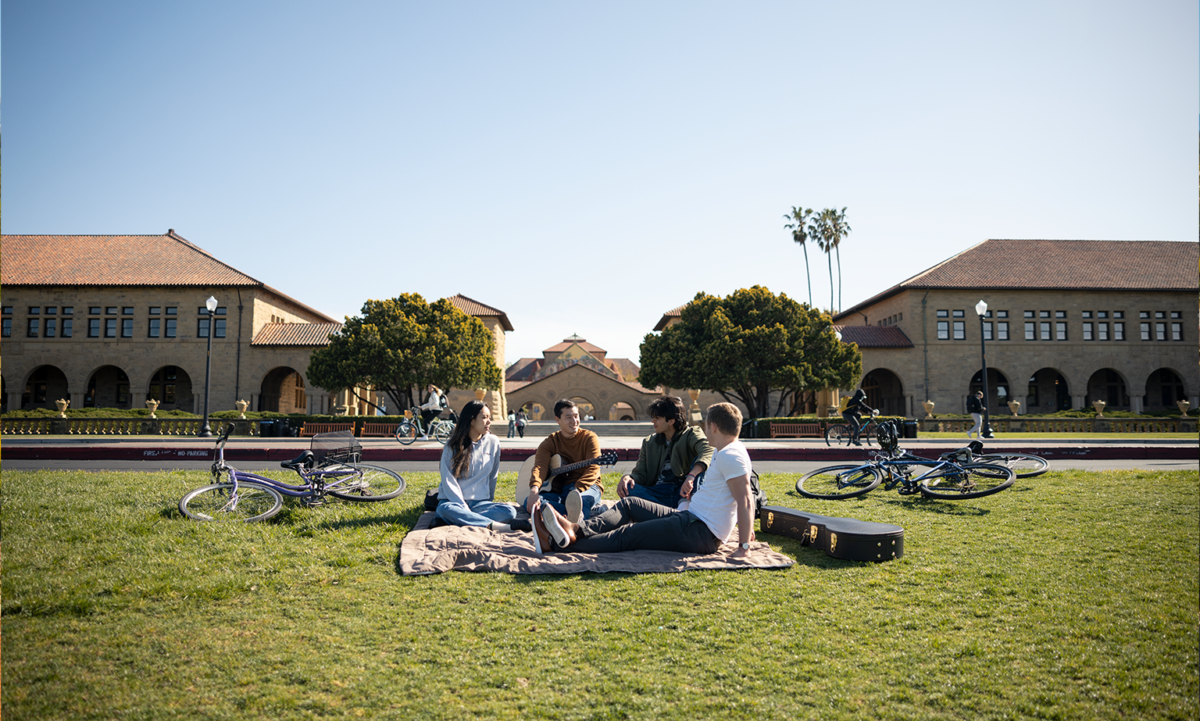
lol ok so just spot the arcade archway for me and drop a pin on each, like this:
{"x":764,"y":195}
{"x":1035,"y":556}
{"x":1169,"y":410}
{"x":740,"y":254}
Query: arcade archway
{"x":885,"y":392}
{"x":107,"y":388}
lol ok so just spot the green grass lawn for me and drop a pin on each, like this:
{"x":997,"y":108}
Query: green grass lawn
{"x":1073,"y":595}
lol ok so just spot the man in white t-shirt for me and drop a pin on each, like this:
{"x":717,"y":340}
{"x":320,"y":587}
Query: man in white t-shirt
{"x":722,"y":501}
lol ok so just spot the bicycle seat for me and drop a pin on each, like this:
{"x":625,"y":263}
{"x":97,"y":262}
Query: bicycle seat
{"x":304,"y":460}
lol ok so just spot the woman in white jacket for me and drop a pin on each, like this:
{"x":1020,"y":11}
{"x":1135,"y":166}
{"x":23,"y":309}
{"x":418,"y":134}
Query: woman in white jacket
{"x":469,"y":468}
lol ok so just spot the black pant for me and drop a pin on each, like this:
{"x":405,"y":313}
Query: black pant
{"x":855,"y":421}
{"x":427,"y":418}
{"x":637,"y":524}
{"x":521,"y":429}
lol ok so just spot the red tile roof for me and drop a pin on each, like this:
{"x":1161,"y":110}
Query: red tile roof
{"x":1113,"y":265}
{"x":125,"y":260}
{"x":668,"y":316}
{"x":295,"y":334}
{"x":568,"y":342}
{"x":473,"y":307}
{"x":522,"y":369}
{"x":874,"y":336}
{"x":120,"y":260}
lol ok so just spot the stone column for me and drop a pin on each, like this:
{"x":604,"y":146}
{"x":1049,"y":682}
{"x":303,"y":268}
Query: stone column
{"x":1077,"y":402}
{"x":139,"y":398}
{"x":14,"y":400}
{"x":1135,"y":403}
{"x":254,"y":401}
{"x":76,"y":400}
{"x":913,"y":407}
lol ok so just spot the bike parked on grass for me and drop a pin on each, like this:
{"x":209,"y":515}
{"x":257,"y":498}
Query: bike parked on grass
{"x":953,"y":476}
{"x":413,"y":429}
{"x":842,"y":434}
{"x":330,"y":468}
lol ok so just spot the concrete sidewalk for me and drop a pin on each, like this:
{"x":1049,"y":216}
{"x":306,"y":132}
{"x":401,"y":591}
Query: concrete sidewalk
{"x":155,"y":448}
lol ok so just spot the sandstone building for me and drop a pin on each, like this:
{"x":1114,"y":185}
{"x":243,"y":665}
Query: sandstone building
{"x":113,"y":320}
{"x":1069,"y":322}
{"x":605,"y":388}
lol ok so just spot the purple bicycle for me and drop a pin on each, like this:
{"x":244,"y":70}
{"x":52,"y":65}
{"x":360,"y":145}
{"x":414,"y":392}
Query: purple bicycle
{"x":330,"y":468}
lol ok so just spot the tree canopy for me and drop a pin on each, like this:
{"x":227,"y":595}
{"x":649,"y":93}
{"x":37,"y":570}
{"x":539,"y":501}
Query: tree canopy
{"x":749,"y":345}
{"x":401,"y":345}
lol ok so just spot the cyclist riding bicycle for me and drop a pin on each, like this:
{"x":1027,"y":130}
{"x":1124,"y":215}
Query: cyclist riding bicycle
{"x":853,"y":413}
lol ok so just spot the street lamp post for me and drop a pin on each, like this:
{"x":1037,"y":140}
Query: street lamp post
{"x":211,"y":305}
{"x":981,"y":310}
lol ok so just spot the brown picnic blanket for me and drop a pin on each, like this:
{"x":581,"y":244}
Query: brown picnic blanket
{"x":463,"y":548}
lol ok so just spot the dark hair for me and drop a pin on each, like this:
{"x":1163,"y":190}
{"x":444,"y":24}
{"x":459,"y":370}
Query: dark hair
{"x":669,"y":408}
{"x":562,"y":405}
{"x":726,"y":418}
{"x":460,"y":439}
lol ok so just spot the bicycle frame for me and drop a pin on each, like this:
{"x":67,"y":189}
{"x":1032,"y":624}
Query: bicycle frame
{"x":315,"y":480}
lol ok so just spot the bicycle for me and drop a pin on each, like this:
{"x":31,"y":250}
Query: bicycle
{"x":410,"y":429}
{"x":1023,"y":465}
{"x":841,"y":434}
{"x":953,"y":476}
{"x":330,"y":468}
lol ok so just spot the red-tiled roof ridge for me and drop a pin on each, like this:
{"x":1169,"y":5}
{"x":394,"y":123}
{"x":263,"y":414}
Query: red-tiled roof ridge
{"x":666,"y":317}
{"x":470,"y":306}
{"x":179,"y":238}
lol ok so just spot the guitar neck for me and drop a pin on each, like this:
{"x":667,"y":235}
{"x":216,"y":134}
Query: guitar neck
{"x":572,"y":467}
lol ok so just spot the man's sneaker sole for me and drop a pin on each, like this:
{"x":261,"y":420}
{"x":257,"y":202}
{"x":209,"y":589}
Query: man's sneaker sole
{"x":574,"y":504}
{"x":557,"y":532}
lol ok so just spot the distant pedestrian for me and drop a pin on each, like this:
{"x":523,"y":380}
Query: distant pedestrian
{"x":976,"y":408}
{"x":512,"y":424}
{"x":521,"y":422}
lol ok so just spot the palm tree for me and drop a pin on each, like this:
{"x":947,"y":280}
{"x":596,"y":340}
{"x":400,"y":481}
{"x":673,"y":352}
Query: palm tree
{"x":830,"y":227}
{"x":801,"y":233}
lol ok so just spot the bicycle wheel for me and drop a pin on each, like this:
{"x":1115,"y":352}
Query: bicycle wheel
{"x":443,"y":431}
{"x":846,"y":481}
{"x":837,"y":435}
{"x":970,"y":480}
{"x":406,"y":433}
{"x":217,"y":502}
{"x":867,"y":435}
{"x":1023,"y":465}
{"x":375,"y":484}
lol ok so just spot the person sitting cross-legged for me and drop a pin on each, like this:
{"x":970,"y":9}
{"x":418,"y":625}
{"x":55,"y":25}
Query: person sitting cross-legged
{"x":470,"y":465}
{"x":573,"y":493}
{"x":721,"y":501}
{"x":671,"y":460}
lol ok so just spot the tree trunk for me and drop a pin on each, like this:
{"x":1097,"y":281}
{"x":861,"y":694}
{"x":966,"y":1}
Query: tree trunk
{"x":807,"y":274}
{"x":838,"y":250}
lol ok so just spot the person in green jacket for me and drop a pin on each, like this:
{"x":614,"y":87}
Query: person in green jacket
{"x":671,"y":461}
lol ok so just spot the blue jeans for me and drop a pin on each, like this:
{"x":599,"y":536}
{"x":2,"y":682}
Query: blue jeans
{"x":664,"y":494}
{"x":590,"y":497}
{"x":475,"y":513}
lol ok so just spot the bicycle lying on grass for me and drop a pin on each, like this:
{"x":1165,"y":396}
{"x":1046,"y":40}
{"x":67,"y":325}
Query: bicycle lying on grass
{"x":953,"y":476}
{"x":330,"y":468}
{"x":412,"y":429}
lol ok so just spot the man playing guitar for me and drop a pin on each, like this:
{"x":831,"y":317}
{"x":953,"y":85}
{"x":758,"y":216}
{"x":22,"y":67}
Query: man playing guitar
{"x":574,"y":493}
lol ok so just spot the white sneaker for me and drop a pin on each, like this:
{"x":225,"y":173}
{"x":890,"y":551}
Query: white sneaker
{"x":574,"y":504}
{"x":557,"y":532}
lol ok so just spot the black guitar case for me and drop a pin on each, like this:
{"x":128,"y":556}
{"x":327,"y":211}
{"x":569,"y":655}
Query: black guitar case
{"x":846,"y":538}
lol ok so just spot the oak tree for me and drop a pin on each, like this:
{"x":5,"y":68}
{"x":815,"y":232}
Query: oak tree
{"x":402,"y":345}
{"x":752,"y":346}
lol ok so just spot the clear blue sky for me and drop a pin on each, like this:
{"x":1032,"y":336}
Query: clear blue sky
{"x":586,"y":167}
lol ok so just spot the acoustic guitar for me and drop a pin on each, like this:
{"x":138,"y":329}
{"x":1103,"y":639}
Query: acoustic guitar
{"x":524,"y":476}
